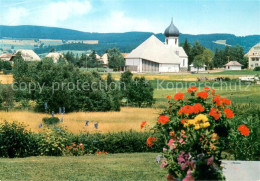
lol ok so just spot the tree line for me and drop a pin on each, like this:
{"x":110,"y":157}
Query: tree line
{"x":199,"y":55}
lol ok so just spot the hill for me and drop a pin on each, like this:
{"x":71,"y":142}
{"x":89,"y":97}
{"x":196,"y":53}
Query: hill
{"x":124,"y":41}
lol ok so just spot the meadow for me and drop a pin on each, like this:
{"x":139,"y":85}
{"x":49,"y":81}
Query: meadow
{"x":130,"y":118}
{"x":137,"y":166}
{"x":127,"y":119}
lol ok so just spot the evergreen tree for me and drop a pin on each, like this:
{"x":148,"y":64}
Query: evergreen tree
{"x":115,"y":59}
{"x":187,"y":47}
{"x":196,"y":49}
{"x":92,"y":60}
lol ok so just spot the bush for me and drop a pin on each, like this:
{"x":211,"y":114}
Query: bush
{"x":7,"y":71}
{"x":16,"y":141}
{"x":53,"y":142}
{"x":50,"y":121}
{"x":257,"y":69}
{"x":121,"y":142}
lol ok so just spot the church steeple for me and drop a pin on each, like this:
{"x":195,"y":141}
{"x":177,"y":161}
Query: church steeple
{"x":172,"y":35}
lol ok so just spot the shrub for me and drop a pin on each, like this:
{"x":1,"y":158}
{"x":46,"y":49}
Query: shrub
{"x":51,"y":120}
{"x":75,"y":150}
{"x":257,"y":69}
{"x":121,"y":142}
{"x":53,"y":142}
{"x":16,"y":141}
{"x":195,"y":127}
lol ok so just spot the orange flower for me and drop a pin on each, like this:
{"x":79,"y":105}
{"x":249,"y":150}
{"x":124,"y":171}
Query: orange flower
{"x":143,"y":124}
{"x":215,"y":113}
{"x":150,"y":141}
{"x":184,"y":121}
{"x":192,"y":89}
{"x":229,"y":113}
{"x":214,"y":136}
{"x":202,"y":95}
{"x":207,"y":89}
{"x":163,"y":119}
{"x":197,"y":108}
{"x":213,"y":92}
{"x":169,"y":97}
{"x":186,"y":110}
{"x":179,"y":96}
{"x":221,"y":101}
{"x":243,"y":130}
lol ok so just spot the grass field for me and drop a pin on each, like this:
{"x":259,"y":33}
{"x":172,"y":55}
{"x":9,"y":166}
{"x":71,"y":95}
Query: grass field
{"x":138,"y":166}
{"x":128,"y":118}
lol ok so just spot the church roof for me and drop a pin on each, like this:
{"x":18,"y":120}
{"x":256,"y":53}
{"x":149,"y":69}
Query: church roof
{"x":171,"y":30}
{"x":154,"y":50}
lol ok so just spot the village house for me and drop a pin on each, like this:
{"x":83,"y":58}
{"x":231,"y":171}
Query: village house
{"x":6,"y":56}
{"x":27,"y":55}
{"x":55,"y":56}
{"x":253,"y":56}
{"x":195,"y":69}
{"x":233,"y":65}
{"x":155,"y":56}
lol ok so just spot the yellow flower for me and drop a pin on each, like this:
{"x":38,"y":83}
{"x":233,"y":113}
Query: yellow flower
{"x":205,"y":125}
{"x":197,"y":126}
{"x":201,"y":118}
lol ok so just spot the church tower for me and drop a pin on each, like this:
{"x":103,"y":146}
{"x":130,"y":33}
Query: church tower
{"x":172,"y":35}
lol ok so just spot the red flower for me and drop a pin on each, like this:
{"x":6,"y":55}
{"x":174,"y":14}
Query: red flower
{"x":192,"y":89}
{"x":215,"y":113}
{"x":202,"y":95}
{"x":143,"y":124}
{"x":179,"y":96}
{"x":221,"y":101}
{"x":169,"y":97}
{"x":229,"y":113}
{"x":150,"y":141}
{"x":213,"y":92}
{"x":207,"y":89}
{"x":163,"y":119}
{"x":184,"y":120}
{"x":243,"y":130}
{"x":197,"y":108}
{"x":186,"y":110}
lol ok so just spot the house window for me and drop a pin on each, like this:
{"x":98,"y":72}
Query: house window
{"x":252,"y":65}
{"x":183,"y":62}
{"x":256,"y":64}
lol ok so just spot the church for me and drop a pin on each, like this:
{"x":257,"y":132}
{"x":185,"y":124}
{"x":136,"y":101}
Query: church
{"x":155,"y":56}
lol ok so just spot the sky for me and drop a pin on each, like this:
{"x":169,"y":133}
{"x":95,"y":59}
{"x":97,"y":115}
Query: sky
{"x":239,"y":17}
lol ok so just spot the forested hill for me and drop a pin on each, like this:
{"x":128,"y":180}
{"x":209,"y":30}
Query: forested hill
{"x":124,"y":41}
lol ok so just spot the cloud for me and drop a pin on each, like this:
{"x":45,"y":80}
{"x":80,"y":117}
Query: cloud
{"x":60,"y":11}
{"x":117,"y":21}
{"x":13,"y":16}
{"x":51,"y":14}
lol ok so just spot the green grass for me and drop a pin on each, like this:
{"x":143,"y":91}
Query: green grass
{"x":236,"y":72}
{"x":138,"y":166}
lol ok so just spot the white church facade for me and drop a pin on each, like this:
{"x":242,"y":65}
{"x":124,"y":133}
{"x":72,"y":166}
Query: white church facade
{"x":155,"y":56}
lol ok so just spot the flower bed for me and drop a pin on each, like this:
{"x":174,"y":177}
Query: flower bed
{"x":195,"y":127}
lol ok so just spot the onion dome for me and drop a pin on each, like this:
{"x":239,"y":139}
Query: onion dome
{"x":172,"y":30}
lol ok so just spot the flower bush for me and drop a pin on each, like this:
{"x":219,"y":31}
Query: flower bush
{"x":75,"y":149}
{"x":195,"y":128}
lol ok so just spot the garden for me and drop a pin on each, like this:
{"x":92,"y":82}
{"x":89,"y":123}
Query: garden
{"x":139,"y":133}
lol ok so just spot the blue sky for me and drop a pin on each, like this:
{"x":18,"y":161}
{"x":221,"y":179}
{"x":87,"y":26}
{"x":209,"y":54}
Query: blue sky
{"x":239,"y":17}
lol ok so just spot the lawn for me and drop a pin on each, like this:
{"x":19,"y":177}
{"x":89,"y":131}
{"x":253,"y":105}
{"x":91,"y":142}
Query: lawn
{"x":137,"y":166}
{"x":128,"y":118}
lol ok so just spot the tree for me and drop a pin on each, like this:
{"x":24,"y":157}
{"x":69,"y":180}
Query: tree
{"x":187,"y":47}
{"x":92,"y":60}
{"x":207,"y":57}
{"x":52,"y":50}
{"x":197,"y":49}
{"x":141,"y":92}
{"x":8,"y":97}
{"x":199,"y":62}
{"x":115,"y":59}
{"x":125,"y":81}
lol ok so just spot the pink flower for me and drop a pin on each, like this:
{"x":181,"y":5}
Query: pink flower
{"x":163,"y":163}
{"x":189,"y":176}
{"x":210,"y":160}
{"x":171,"y":144}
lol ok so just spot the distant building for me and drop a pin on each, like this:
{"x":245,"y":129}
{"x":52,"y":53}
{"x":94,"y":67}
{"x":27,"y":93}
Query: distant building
{"x":55,"y":56}
{"x":195,"y":69}
{"x":254,"y":56}
{"x":233,"y":65}
{"x":27,"y":55}
{"x":6,"y":56}
{"x":155,"y":56}
{"x":104,"y":60}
